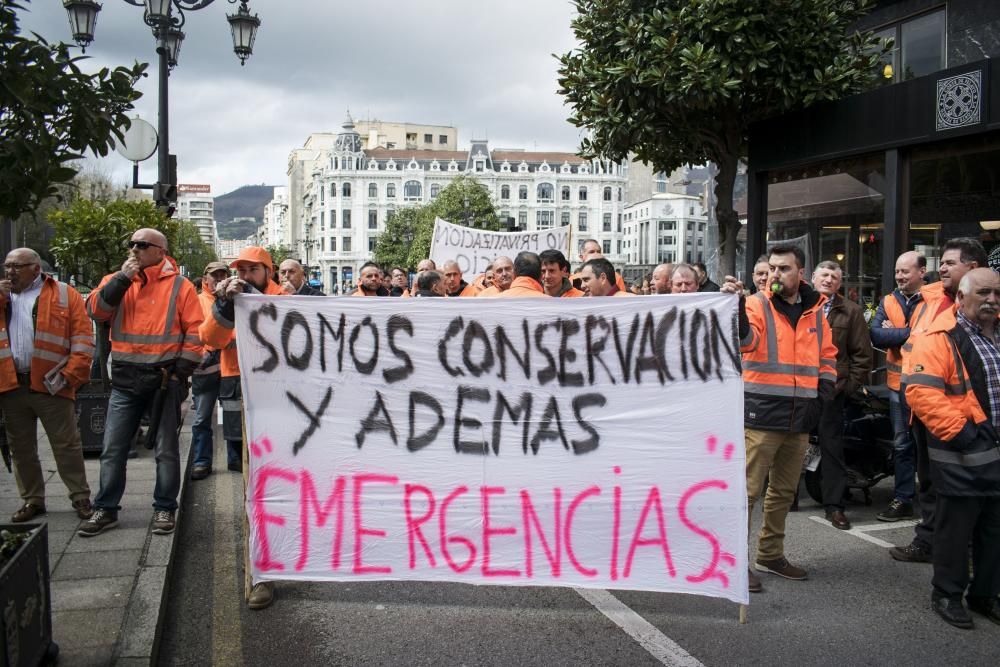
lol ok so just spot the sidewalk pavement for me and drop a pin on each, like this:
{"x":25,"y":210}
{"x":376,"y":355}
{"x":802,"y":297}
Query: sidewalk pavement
{"x":109,"y":591}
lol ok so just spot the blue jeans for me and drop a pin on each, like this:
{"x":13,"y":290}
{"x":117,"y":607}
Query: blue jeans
{"x":905,"y":465}
{"x":205,"y":389}
{"x":125,"y":409}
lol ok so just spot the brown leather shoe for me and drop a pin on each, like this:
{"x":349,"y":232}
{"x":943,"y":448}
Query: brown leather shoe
{"x":83,"y":508}
{"x":27,"y":513}
{"x":838,"y":519}
{"x":782,"y":568}
{"x":754,"y":582}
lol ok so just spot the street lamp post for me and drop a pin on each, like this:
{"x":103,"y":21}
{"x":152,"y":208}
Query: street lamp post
{"x":166,"y":18}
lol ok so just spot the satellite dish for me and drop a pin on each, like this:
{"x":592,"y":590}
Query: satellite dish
{"x":139,"y":141}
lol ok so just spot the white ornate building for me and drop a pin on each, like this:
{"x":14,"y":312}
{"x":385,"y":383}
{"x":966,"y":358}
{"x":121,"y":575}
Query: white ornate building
{"x":667,"y":227}
{"x":340,"y":195}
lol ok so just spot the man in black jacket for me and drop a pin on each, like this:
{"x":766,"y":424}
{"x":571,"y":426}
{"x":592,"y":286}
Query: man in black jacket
{"x":292,"y":278}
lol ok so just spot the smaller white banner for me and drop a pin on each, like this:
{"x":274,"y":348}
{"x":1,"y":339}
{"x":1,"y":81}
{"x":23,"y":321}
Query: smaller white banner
{"x":475,"y":249}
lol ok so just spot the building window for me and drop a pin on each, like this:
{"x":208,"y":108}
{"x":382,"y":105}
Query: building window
{"x":346,"y":190}
{"x":333,"y":244}
{"x":607,"y":222}
{"x":619,"y":247}
{"x":564,"y":218}
{"x":322,"y":220}
{"x":322,"y":244}
{"x":333,"y":219}
{"x":372,"y":240}
{"x":565,"y":193}
{"x":619,"y":194}
{"x":428,"y":138}
{"x":545,"y":192}
{"x":606,"y":247}
{"x":412,"y":190}
{"x":607,"y":194}
{"x":346,"y":243}
{"x":373,"y":190}
{"x":443,"y":139}
{"x":333,"y":191}
{"x":690,"y":226}
{"x":347,"y":218}
{"x":522,"y":220}
{"x":583,"y":222}
{"x":480,"y":166}
{"x":390,"y":191}
{"x":545,"y":219}
{"x":918,"y":48}
{"x":435,"y":190}
{"x":583,"y":193}
{"x":667,"y":225}
{"x":522,"y":193}
{"x":619,"y":222}
{"x":504,"y":192}
{"x":373,"y":219}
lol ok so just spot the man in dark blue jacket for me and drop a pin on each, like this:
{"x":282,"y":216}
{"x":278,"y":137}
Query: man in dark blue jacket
{"x":890,"y":328}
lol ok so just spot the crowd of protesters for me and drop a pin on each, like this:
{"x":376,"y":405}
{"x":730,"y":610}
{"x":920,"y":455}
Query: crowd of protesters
{"x":805,"y":350}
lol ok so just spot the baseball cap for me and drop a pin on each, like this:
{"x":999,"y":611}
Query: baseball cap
{"x":254,"y":254}
{"x":216,"y":266}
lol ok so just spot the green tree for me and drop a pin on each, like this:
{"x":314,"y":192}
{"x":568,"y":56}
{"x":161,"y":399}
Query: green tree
{"x":407,"y":236}
{"x":187,"y":247}
{"x":279,"y":253}
{"x":676,"y":82}
{"x":51,"y":113}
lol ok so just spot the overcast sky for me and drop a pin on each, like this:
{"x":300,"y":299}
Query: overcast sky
{"x":484,"y":66}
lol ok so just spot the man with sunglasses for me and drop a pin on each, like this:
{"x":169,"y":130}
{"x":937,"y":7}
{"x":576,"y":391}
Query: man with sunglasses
{"x":154,"y":314}
{"x":46,"y":346}
{"x":254,"y":271}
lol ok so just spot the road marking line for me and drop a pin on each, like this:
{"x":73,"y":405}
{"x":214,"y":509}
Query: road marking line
{"x":860,"y":534}
{"x":869,"y":527}
{"x":227,"y":643}
{"x":661,"y":647}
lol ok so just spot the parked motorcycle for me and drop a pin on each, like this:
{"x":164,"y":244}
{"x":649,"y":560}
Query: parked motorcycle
{"x":868,"y":445}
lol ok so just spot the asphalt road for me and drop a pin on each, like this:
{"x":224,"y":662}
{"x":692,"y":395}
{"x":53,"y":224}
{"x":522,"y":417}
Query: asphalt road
{"x":859,"y":607}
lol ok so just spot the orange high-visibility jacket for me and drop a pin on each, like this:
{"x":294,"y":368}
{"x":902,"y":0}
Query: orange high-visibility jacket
{"x":935,"y":299}
{"x":153,"y":322}
{"x":467,"y":291}
{"x":219,"y":331}
{"x":524,"y":287}
{"x":894,"y":355}
{"x":62,"y":331}
{"x":783,"y":368}
{"x":944,"y":371}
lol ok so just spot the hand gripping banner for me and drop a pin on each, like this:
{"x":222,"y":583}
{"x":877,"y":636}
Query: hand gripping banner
{"x":557,"y":442}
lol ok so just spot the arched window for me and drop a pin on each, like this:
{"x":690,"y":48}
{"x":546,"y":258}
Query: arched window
{"x":373,"y":190}
{"x":333,"y":190}
{"x":607,"y":194}
{"x":435,"y":190}
{"x":390,"y":191}
{"x":565,"y":193}
{"x":412,"y":190}
{"x":583,"y":193}
{"x":522,"y":193}
{"x":545,"y":192}
{"x":504,"y":192}
{"x":346,"y":190}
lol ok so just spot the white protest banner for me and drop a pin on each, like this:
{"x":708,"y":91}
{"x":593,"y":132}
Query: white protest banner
{"x":560,"y":442}
{"x":475,"y":249}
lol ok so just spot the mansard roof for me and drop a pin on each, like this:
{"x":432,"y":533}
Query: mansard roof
{"x":554,"y":159}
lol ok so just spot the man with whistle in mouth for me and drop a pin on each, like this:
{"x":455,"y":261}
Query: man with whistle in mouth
{"x":789,"y":370}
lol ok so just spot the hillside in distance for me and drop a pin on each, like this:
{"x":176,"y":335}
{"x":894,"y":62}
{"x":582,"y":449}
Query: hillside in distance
{"x":247,"y":201}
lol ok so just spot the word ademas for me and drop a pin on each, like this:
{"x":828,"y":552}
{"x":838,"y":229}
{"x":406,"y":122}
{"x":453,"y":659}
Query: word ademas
{"x":423,"y":512}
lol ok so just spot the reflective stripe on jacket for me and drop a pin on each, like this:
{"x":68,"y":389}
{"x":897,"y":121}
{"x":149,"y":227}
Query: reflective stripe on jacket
{"x":220,"y":332}
{"x":62,"y":332}
{"x":894,"y":355}
{"x":946,"y":391}
{"x":156,"y":322}
{"x":782,"y":368}
{"x":923,"y":317}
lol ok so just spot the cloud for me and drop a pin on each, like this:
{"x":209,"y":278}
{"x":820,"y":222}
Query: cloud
{"x":484,"y":66}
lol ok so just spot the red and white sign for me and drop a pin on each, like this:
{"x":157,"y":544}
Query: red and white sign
{"x":557,"y":442}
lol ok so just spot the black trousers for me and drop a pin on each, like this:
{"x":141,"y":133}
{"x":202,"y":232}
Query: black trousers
{"x":960,"y":520}
{"x":831,"y":444}
{"x":923,"y":532}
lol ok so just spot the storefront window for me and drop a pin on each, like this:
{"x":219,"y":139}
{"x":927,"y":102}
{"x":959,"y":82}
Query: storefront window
{"x":833,"y":211}
{"x":918,"y":47}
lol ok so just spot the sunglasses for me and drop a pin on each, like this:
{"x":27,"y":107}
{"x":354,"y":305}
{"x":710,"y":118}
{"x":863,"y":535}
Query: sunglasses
{"x":142,"y":245}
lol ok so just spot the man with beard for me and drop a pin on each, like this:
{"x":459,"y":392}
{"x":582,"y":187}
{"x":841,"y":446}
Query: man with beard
{"x":293,"y":279}
{"x":253,"y":276}
{"x":503,"y":276}
{"x":370,"y":283}
{"x":661,"y":279}
{"x":555,"y":275}
{"x":399,"y":283}
{"x":453,"y":283}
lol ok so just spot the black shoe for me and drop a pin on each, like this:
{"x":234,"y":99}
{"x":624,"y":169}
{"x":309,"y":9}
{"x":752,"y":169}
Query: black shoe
{"x":911,"y":553}
{"x":896,"y":511}
{"x":952,"y":612}
{"x":988,"y":607}
{"x":201,"y":472}
{"x":753,"y":583}
{"x":236,"y":467}
{"x":838,"y":519}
